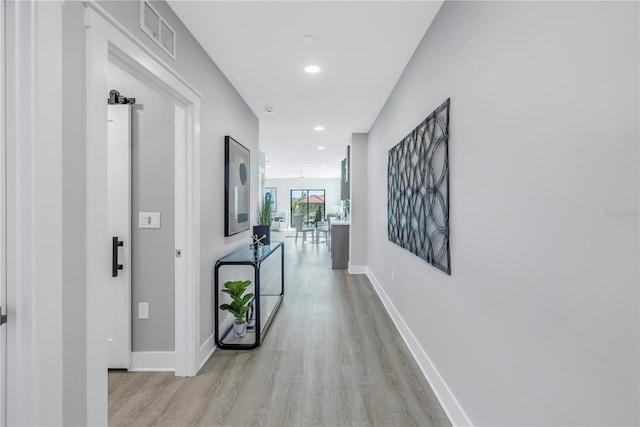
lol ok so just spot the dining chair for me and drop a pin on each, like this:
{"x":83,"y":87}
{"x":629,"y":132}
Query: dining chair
{"x":297,"y":222}
{"x":324,"y":229}
{"x":330,"y":217}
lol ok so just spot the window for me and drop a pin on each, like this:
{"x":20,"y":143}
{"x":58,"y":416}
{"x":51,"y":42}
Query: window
{"x":309,"y":203}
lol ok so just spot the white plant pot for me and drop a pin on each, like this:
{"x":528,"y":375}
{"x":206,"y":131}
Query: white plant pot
{"x":239,"y":329}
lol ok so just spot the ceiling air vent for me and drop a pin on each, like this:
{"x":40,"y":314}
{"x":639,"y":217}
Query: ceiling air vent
{"x":155,"y":26}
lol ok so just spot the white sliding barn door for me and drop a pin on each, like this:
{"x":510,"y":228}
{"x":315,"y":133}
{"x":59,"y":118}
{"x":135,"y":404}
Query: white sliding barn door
{"x":3,"y":240}
{"x":119,"y":235}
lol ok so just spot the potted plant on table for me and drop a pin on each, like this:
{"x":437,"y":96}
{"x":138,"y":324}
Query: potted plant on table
{"x":239,"y":305}
{"x":264,"y":220}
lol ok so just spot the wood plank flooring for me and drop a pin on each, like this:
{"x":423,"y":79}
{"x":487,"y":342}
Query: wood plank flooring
{"x":331,"y":358}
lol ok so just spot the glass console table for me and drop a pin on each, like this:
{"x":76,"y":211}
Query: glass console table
{"x":267,"y":284}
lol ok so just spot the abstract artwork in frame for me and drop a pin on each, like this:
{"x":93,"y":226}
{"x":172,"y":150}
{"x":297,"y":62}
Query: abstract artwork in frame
{"x":237,"y":189}
{"x":418,"y":190}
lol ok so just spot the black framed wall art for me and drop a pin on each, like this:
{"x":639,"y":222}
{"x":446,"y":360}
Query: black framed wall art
{"x":237,"y":188}
{"x":418,"y":190}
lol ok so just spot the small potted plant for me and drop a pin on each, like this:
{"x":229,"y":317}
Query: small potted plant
{"x":239,"y":305}
{"x":264,"y":220}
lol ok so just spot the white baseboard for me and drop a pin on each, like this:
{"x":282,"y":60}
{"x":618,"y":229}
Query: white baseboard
{"x":208,"y":347}
{"x":206,"y":350}
{"x":449,"y":403}
{"x":357,"y":269}
{"x":153,"y":361}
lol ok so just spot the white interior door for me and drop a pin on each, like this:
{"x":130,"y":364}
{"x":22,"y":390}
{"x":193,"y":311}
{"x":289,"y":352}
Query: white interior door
{"x":119,"y":235}
{"x":3,"y":228}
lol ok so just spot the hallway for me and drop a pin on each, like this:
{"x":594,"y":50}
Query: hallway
{"x":332,"y":357}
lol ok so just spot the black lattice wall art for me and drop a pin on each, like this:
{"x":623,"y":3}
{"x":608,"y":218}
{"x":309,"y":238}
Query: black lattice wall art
{"x":418,"y":184}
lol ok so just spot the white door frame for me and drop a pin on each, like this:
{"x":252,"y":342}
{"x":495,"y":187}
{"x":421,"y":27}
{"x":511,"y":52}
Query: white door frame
{"x":105,"y":39}
{"x":3,"y":226}
{"x":34,"y":212}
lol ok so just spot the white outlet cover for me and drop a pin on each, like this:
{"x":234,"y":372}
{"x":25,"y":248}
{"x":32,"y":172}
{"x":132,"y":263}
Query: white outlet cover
{"x":143,"y":310}
{"x":148,"y":219}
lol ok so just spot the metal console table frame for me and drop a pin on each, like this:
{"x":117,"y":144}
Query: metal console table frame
{"x":265,"y":305}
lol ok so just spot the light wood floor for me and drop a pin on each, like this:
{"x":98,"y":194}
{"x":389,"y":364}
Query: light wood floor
{"x":331,"y":358}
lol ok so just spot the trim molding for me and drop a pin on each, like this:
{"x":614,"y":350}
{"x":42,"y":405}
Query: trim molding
{"x":114,"y":22}
{"x":449,"y":403}
{"x":152,"y":361}
{"x":32,"y":39}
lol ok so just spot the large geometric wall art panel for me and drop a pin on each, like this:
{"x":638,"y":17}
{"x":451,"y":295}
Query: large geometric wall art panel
{"x":418,"y":190}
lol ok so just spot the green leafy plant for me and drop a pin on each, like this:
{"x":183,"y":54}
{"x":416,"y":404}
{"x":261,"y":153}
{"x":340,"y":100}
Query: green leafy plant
{"x":264,"y":212}
{"x":239,"y":303}
{"x":347,"y":205}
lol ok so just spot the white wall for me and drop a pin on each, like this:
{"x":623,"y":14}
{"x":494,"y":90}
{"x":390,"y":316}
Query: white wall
{"x":74,"y":220}
{"x":538,"y":322}
{"x":358,"y":197}
{"x":284,"y":186}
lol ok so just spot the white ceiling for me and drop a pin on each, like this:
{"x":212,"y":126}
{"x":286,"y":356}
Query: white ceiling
{"x":361,"y":46}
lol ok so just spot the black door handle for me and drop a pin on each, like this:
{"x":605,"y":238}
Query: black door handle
{"x":114,"y":256}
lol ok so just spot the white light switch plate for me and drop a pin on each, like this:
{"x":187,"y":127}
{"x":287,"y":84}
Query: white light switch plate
{"x":148,"y":219}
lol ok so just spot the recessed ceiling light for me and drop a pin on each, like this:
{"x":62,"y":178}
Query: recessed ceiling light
{"x":312,"y":69}
{"x":307,"y":38}
{"x":318,"y":128}
{"x":321,"y":148}
{"x":269,"y":110}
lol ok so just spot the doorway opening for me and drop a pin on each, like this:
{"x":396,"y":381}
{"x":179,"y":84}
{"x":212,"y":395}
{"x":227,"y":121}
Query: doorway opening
{"x":309,"y":203}
{"x":144,"y":204}
{"x":107,"y":42}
